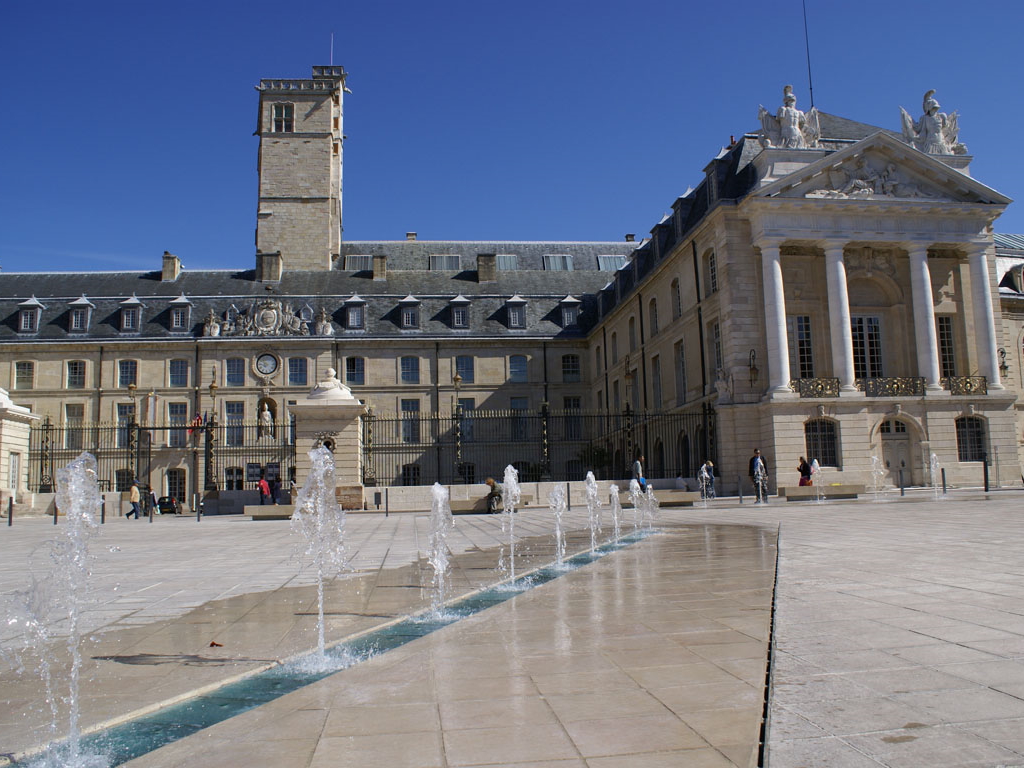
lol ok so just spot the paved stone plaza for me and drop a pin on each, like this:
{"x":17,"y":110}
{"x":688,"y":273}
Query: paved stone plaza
{"x":899,"y":640}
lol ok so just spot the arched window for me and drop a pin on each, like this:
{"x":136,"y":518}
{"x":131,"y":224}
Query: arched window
{"x":822,"y":444}
{"x":970,"y":438}
{"x":653,"y":312}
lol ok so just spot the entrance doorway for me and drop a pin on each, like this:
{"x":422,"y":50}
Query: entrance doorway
{"x":896,"y":451}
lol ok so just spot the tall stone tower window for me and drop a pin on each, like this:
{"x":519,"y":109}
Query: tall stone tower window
{"x":284,"y":118}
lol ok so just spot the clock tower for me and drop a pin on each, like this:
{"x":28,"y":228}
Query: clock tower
{"x":298,"y":218}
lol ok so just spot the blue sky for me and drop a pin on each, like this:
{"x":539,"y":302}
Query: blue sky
{"x":128,"y":125}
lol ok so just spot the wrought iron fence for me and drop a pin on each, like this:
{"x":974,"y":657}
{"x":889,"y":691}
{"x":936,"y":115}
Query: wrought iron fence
{"x":821,"y":387}
{"x":468,"y":446}
{"x":966,"y":385}
{"x":894,"y":386}
{"x":215,"y":456}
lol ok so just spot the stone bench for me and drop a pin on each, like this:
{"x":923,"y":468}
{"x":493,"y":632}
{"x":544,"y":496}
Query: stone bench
{"x":666,"y":498}
{"x":268,"y":511}
{"x":478,"y":506}
{"x":814,"y":492}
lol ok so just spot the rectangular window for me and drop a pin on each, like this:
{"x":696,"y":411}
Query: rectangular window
{"x":130,"y":319}
{"x":179,"y":318}
{"x":127,"y":373}
{"x":410,"y":317}
{"x":76,"y":374}
{"x":74,"y":418}
{"x":611,"y":263}
{"x":234,"y":372}
{"x":359,"y":263}
{"x":867,"y":347}
{"x":573,"y":419}
{"x":680,"y":373}
{"x":410,"y":421}
{"x":355,"y":370}
{"x":460,"y":317}
{"x":801,"y":348}
{"x":465,"y":367}
{"x":520,"y":423}
{"x":125,"y":419}
{"x":656,"y":382}
{"x":716,"y":342}
{"x":410,"y":370}
{"x":712,"y":273}
{"x":517,"y":316}
{"x":571,"y":373}
{"x":559,"y":262}
{"x":355,"y":317}
{"x":284,"y":118}
{"x":467,"y":405}
{"x":298,"y":368}
{"x":234,"y":415}
{"x":177,"y":416}
{"x":28,"y":323}
{"x":176,"y":484}
{"x":517,"y":369}
{"x":444,"y":261}
{"x":79,"y":319}
{"x":570,"y":315}
{"x":506,"y":261}
{"x":947,"y":356}
{"x":177,"y":373}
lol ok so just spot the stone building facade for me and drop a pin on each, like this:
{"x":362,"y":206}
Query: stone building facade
{"x":832,"y":289}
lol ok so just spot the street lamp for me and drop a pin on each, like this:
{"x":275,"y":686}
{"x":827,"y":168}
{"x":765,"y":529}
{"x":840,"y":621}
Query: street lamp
{"x":752,"y":365}
{"x":457,"y":412}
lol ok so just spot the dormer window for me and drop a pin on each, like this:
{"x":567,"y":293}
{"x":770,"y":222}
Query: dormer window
{"x":284,"y":118}
{"x":516,"y":309}
{"x":460,"y":311}
{"x":80,"y":315}
{"x":570,"y":311}
{"x":181,"y":314}
{"x":29,"y":315}
{"x":131,"y":315}
{"x":355,"y":316}
{"x":409,"y":312}
{"x":559,"y":262}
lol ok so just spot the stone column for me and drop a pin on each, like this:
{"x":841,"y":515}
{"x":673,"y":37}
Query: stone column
{"x":840,"y":331}
{"x":924,"y":316}
{"x":775,"y":317}
{"x":984,"y":320}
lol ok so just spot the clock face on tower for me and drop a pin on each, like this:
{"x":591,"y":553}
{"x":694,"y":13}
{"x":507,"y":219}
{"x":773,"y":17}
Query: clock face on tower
{"x":266,"y":364}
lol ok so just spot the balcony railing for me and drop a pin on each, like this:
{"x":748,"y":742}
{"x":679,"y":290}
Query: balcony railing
{"x":965,"y":385}
{"x":822,"y":387}
{"x":892,"y":386}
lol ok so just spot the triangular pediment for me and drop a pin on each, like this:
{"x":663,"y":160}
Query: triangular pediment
{"x":881,"y":168}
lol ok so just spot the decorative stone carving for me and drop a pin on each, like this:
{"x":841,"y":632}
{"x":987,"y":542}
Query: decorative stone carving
{"x":323,"y":326}
{"x":865,"y":182}
{"x":266,"y":422}
{"x":723,"y":385}
{"x":870,"y":260}
{"x":789,"y":128}
{"x":935,"y":132}
{"x":267,"y":317}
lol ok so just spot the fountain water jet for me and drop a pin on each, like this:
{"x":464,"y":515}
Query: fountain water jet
{"x":320,"y":519}
{"x":877,"y":473}
{"x":935,"y":472}
{"x":593,"y":509}
{"x":704,"y":478}
{"x":613,"y":496}
{"x":510,"y":497}
{"x":556,"y":502}
{"x":819,"y":492}
{"x":636,"y":497}
{"x":440,"y":525}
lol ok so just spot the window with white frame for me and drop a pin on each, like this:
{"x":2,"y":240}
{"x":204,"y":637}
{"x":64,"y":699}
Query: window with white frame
{"x":127,"y":373}
{"x":354,"y":317}
{"x":179,"y":318}
{"x":460,"y":316}
{"x":234,"y":417}
{"x":516,"y":316}
{"x":283,"y":118}
{"x":712,"y":273}
{"x":177,"y":373}
{"x":234,"y":372}
{"x":28,"y":321}
{"x":517,"y":369}
{"x":571,"y":369}
{"x":79,"y":320}
{"x":465,"y":366}
{"x":410,"y":316}
{"x":570,"y":315}
{"x":130,"y":319}
{"x":801,"y":348}
{"x":177,"y":416}
{"x":947,"y":352}
{"x":298,"y":371}
{"x":410,"y":370}
{"x":75,"y":374}
{"x":867,"y":347}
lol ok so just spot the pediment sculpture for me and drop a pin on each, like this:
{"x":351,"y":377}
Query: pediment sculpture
{"x":789,"y":128}
{"x":862,"y":180}
{"x":934,"y":133}
{"x":267,"y":317}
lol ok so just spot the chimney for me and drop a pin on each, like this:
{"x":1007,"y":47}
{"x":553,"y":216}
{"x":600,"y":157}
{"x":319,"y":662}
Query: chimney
{"x":269,"y":267}
{"x":410,"y":235}
{"x":172,"y":267}
{"x":486,"y":268}
{"x":380,"y":266}
{"x":630,"y":237}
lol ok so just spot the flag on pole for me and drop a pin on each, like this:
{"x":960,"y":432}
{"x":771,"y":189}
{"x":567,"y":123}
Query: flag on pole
{"x":195,"y":424}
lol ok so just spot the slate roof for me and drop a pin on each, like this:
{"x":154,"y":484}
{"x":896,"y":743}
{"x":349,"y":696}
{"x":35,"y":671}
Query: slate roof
{"x":407,"y":273}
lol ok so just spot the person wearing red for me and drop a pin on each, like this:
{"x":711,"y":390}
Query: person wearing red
{"x":264,"y":487}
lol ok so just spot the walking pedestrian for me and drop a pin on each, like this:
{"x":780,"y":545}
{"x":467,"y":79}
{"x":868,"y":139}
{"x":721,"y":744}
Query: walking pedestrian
{"x":134,"y":497}
{"x":638,"y":472}
{"x":758,"y":471}
{"x":264,"y":488}
{"x":805,"y":471}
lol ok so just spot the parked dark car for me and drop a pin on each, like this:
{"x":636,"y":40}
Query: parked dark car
{"x":168,"y":505}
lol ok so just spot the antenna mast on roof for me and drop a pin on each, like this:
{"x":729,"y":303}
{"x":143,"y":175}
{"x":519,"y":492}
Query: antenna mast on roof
{"x":807,"y":45}
{"x":332,"y":37}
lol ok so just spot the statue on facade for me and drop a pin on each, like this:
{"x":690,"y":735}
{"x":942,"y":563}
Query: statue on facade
{"x":935,"y":133}
{"x":266,"y":423}
{"x":323,"y":325}
{"x":211,"y":325}
{"x":723,"y":385}
{"x":789,"y":128}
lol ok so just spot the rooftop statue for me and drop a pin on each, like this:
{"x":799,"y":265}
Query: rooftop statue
{"x":935,"y":132}
{"x":789,"y":128}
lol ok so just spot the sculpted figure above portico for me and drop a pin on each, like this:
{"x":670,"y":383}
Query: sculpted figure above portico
{"x":934,"y":133}
{"x":789,"y":128}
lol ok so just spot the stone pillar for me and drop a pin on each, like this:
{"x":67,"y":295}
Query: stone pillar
{"x":15,"y":426}
{"x":840,"y":331}
{"x":775,"y":318}
{"x":924,"y":316}
{"x":984,"y":320}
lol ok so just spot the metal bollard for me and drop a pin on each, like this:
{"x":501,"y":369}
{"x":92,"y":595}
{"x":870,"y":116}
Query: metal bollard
{"x":55,"y":512}
{"x":739,"y":487}
{"x":903,"y":491}
{"x":984,"y":467}
{"x":943,"y":481}
{"x":10,"y":512}
{"x":151,"y":510}
{"x":103,"y":509}
{"x":199,"y":511}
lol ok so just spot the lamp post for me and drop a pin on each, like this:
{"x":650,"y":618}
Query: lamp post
{"x":210,"y":483}
{"x":133,"y":435}
{"x":629,"y":412}
{"x":457,"y":411}
{"x":752,"y":367}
